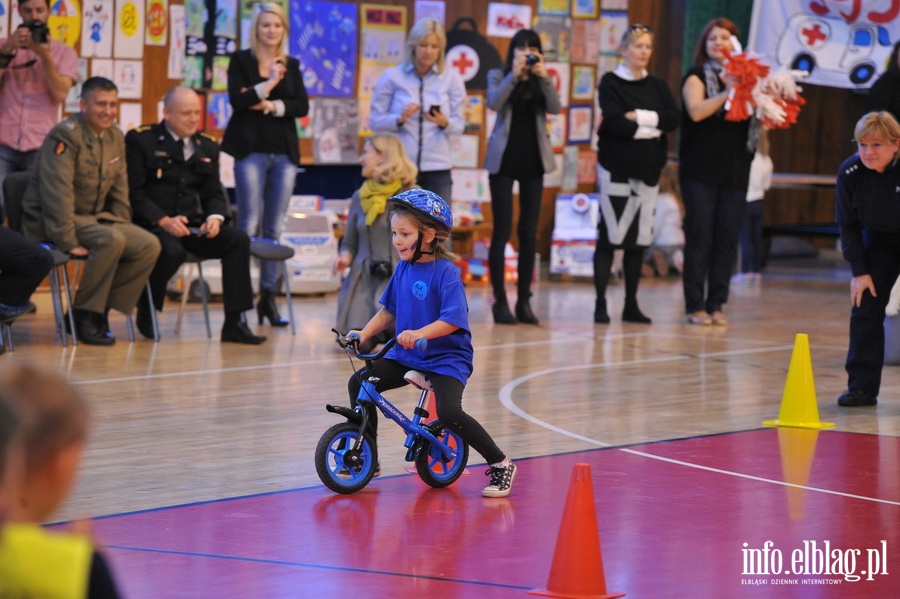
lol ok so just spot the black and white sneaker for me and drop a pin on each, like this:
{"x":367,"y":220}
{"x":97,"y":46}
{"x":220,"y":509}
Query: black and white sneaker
{"x":501,"y":480}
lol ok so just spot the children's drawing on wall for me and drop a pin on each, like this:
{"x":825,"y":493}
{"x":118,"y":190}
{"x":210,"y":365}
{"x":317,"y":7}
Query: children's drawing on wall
{"x":97,"y":29}
{"x":336,"y":126}
{"x":176,"y":48}
{"x":129,"y":29}
{"x":324,"y":38}
{"x":157,"y":22}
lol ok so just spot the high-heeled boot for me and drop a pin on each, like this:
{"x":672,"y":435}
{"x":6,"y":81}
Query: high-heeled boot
{"x":500,"y":309}
{"x":601,"y":316}
{"x":632,"y":313}
{"x":523,"y":311}
{"x":266,"y":308}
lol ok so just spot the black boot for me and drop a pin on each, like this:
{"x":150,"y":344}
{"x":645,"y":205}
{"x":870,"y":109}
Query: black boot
{"x":89,"y":328}
{"x":236,"y":331}
{"x":502,"y":315}
{"x":266,"y":308}
{"x":600,"y":314}
{"x":632,"y":313}
{"x":523,"y":310}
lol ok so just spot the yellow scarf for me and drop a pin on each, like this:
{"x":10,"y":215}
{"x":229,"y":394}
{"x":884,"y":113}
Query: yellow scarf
{"x":373,"y":197}
{"x":38,"y":563}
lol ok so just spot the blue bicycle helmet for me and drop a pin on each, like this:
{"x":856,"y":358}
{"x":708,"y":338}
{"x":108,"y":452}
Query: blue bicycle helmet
{"x":428,"y":203}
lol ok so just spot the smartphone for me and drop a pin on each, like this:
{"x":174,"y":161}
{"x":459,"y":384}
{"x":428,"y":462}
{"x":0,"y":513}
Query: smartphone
{"x":435,"y":109}
{"x":198,"y":231}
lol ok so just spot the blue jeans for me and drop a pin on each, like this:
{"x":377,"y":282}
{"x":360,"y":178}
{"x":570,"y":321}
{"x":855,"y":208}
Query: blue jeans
{"x":14,"y":161}
{"x":264,"y":181}
{"x":712,"y":221}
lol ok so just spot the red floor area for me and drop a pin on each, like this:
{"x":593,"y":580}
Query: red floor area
{"x":671,"y":527}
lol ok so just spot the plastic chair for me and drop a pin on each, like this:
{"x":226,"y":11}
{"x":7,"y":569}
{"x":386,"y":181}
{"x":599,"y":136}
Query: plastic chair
{"x":271,"y":250}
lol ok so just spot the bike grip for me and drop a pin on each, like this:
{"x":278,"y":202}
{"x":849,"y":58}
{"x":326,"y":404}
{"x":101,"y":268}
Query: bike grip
{"x":421,"y":344}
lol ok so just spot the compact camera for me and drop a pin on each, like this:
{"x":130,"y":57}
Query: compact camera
{"x":531,"y":60}
{"x":381,"y":270}
{"x":40,"y":33}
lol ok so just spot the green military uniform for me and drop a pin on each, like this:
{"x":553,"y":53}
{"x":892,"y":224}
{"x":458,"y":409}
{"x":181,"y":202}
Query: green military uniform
{"x":78,"y":196}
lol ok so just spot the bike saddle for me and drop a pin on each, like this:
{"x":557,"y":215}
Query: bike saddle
{"x":419,"y":379}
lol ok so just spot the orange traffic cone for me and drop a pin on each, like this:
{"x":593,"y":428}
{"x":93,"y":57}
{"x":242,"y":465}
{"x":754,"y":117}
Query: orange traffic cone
{"x":577,"y":569}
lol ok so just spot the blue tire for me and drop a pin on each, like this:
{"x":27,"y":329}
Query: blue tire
{"x":430,"y":463}
{"x":339,"y":467}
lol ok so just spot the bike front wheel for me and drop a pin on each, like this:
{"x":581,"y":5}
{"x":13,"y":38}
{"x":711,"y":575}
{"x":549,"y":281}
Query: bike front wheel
{"x":430,"y":463}
{"x":339,"y":467}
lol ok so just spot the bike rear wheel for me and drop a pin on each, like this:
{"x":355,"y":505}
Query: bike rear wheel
{"x":430,"y":463}
{"x":339,"y":467}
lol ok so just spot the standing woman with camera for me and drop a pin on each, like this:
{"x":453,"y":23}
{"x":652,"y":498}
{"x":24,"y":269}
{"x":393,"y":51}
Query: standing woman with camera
{"x":518,"y":150}
{"x":366,"y":246}
{"x":638,"y":109}
{"x":421,"y":101}
{"x":266,"y":90}
{"x":36,"y":73}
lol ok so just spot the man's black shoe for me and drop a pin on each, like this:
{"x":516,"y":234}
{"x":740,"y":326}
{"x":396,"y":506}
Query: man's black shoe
{"x":855,"y":399}
{"x":238,"y":332}
{"x":145,"y":319}
{"x":89,"y":328}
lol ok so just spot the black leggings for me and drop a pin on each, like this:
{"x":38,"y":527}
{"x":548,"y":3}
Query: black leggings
{"x":448,"y":393}
{"x":631,"y":268}
{"x":530,"y":192}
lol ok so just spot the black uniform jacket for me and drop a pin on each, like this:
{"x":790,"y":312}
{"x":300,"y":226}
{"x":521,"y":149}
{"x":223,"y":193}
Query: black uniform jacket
{"x":162,"y":183}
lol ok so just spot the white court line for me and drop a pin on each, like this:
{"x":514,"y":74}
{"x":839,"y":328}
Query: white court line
{"x":507,"y":401}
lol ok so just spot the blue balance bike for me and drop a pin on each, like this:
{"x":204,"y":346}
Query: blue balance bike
{"x":346,"y":455}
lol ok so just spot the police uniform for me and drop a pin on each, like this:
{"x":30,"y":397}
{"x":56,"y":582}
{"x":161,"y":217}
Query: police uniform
{"x":164,"y":183}
{"x":868,"y":217}
{"x":78,"y":196}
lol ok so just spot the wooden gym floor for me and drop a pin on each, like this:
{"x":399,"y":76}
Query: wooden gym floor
{"x":200,"y":478}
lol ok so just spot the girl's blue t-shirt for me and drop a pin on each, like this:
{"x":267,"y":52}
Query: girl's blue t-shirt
{"x":419,"y":294}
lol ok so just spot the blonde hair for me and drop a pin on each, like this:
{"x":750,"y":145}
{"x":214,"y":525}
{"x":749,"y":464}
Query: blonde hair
{"x":55,"y":415}
{"x":423,"y":223}
{"x":396,"y":165}
{"x":420,"y":31}
{"x":273,"y":9}
{"x":877,"y":124}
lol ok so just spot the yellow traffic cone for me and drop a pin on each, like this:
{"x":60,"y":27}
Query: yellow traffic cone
{"x":798,"y":404}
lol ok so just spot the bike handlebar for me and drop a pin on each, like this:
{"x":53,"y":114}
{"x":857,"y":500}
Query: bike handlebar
{"x":351,"y":341}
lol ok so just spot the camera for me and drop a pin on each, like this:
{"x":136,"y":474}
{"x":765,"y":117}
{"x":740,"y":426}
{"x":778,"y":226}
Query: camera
{"x":531,"y":60}
{"x":40,"y":33}
{"x":381,"y":270}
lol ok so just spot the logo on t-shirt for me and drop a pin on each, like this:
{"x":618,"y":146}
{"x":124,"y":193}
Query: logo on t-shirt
{"x":420,"y":290}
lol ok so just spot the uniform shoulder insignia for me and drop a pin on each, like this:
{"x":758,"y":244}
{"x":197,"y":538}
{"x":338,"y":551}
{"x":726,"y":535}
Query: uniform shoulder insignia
{"x":143,"y":128}
{"x":209,"y":137}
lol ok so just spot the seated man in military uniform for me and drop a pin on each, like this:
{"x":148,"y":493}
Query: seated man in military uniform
{"x":173,"y":174}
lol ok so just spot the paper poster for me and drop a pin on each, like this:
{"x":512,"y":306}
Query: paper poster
{"x":587,"y":167}
{"x":553,"y":7}
{"x":615,"y":4}
{"x":102,"y":67}
{"x":225,"y":28}
{"x":570,"y":169}
{"x":73,"y":97}
{"x":555,"y":34}
{"x":219,"y":79}
{"x":382,"y":45}
{"x":505,"y":19}
{"x":157,"y":22}
{"x":130,"y":116}
{"x":246,"y":8}
{"x":585,"y":40}
{"x":197,"y":70}
{"x":559,"y":72}
{"x":580,"y":121}
{"x":97,"y":29}
{"x":128,"y":75}
{"x":473,"y":112}
{"x":305,"y":123}
{"x":605,"y":64}
{"x":556,"y":127}
{"x":218,"y":111}
{"x":429,"y":9}
{"x":464,"y":150}
{"x":612,"y":28}
{"x":585,"y":9}
{"x":336,"y":130}
{"x":175,"y":68}
{"x":583,"y":82}
{"x":64,"y":22}
{"x":324,"y":39}
{"x":4,"y":18}
{"x":129,"y":29}
{"x":554,"y":177}
{"x":470,"y":185}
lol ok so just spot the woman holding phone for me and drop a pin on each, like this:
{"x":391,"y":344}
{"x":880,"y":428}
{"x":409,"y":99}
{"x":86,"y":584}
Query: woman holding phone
{"x":421,"y":101}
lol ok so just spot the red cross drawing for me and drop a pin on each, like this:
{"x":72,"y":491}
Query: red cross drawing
{"x":813,"y":34}
{"x":462,"y":64}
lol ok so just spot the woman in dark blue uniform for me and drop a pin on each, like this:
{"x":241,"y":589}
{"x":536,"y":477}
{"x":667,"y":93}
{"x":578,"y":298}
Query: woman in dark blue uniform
{"x":868,"y":216}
